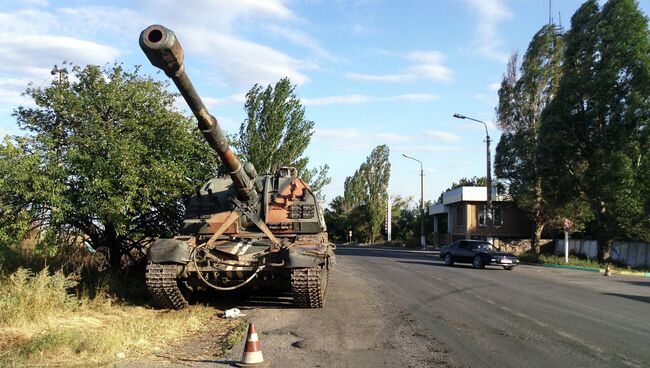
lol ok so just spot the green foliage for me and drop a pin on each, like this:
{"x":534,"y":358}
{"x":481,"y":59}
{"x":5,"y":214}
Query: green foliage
{"x":362,"y":208}
{"x":276,"y":133}
{"x":405,"y":213}
{"x":596,"y":129}
{"x":522,"y":99}
{"x":24,"y":296}
{"x":107,"y":161}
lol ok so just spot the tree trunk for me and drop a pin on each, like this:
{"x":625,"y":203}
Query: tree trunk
{"x":110,"y":241}
{"x":604,"y":241}
{"x":538,"y":227}
{"x":604,"y":247}
{"x":538,"y":223}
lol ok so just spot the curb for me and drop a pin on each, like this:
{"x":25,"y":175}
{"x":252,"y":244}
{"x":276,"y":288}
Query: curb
{"x":592,"y":269}
{"x":580,"y":268}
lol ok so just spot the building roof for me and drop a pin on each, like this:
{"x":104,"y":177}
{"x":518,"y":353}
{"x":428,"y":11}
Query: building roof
{"x":464,"y":194}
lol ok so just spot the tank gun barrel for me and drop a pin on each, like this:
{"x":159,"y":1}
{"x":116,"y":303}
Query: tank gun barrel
{"x":165,"y":52}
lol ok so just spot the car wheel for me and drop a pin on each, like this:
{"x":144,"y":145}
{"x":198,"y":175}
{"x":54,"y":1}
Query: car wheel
{"x":509,"y":268}
{"x":449,"y":261}
{"x":478,"y":262}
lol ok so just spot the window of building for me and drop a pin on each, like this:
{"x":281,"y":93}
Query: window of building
{"x":497,"y":219}
{"x":460,"y":214}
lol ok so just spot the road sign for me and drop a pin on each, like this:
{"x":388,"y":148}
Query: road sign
{"x":568,"y":224}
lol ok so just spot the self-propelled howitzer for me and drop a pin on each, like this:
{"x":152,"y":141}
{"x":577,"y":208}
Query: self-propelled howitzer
{"x":244,"y":230}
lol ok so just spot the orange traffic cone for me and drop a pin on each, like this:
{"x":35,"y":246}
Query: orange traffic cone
{"x":608,"y":272}
{"x":252,"y":356}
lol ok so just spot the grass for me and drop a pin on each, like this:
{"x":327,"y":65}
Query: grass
{"x":530,"y":257}
{"x":42,"y":323}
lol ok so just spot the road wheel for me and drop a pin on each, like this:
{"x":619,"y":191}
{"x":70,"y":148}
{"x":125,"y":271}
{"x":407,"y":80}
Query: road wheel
{"x":449,"y":261}
{"x":509,"y":268}
{"x":478,"y":262}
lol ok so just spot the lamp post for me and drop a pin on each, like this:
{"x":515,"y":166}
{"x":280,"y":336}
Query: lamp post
{"x":488,"y":205}
{"x":422,"y":238}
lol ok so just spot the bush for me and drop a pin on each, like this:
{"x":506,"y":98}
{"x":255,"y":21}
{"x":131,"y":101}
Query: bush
{"x":42,"y":322}
{"x":28,"y":298}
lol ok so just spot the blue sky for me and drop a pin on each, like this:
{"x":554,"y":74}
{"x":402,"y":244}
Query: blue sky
{"x":369,"y":72}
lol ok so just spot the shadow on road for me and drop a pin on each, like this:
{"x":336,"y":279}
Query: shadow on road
{"x":245,"y":300}
{"x":386,"y":253}
{"x":441,"y":264}
{"x":638,"y":283}
{"x":645,"y":299}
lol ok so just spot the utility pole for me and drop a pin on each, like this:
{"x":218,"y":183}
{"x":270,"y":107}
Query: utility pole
{"x":388,"y":220}
{"x":488,"y":204}
{"x":422,"y":237}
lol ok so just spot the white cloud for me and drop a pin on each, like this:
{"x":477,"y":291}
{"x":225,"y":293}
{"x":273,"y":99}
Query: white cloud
{"x":489,"y":14}
{"x":237,"y":99}
{"x":441,"y":136}
{"x":11,"y":90}
{"x":34,"y":2}
{"x":32,"y":41}
{"x":353,"y":138}
{"x":241,"y":62}
{"x":494,"y":86}
{"x":215,"y":15}
{"x":426,"y":65}
{"x":360,"y":99}
{"x":354,"y":99}
{"x":96,"y":21}
{"x":301,"y":39}
{"x":426,"y":149}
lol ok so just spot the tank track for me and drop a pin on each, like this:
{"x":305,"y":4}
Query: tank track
{"x":308,"y":288}
{"x":163,"y":287}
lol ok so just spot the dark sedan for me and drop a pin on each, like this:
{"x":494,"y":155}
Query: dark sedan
{"x":477,"y":252}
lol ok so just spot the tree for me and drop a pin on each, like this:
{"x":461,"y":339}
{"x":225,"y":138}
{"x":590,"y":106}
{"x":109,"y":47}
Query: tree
{"x":376,"y":171}
{"x":107,"y":160}
{"x":363,"y":203}
{"x":522,"y":99}
{"x":276,"y":133}
{"x":404,"y":218}
{"x":597,"y":126}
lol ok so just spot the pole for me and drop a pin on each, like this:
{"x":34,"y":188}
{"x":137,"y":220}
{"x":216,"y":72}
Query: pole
{"x":388,"y":220}
{"x":488,"y":203}
{"x":488,"y":206}
{"x":423,"y":242}
{"x":566,"y":246}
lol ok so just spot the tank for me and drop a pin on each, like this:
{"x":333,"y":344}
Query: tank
{"x":240,"y":231}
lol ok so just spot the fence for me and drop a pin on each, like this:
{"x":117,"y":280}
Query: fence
{"x":633,"y":254}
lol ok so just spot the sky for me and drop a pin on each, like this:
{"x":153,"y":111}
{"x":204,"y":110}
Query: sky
{"x":369,"y":72}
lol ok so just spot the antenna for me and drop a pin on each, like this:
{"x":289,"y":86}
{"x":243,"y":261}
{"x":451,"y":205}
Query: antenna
{"x":550,"y":7}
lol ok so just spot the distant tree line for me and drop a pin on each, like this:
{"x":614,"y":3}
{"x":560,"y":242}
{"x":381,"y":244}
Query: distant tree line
{"x":362,"y":207}
{"x":575,"y":120}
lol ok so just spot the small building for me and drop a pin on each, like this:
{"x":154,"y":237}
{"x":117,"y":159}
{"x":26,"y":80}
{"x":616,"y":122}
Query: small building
{"x":462,"y":214}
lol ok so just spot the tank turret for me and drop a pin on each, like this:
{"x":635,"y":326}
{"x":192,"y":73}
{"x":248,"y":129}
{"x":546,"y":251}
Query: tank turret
{"x":242,"y":231}
{"x":165,"y":52}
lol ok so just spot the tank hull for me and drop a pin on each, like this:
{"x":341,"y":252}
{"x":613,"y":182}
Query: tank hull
{"x":176,"y":271}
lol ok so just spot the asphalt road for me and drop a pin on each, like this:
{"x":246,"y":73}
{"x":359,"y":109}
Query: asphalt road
{"x":397,"y":308}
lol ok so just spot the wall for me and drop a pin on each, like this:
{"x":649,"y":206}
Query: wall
{"x":519,"y":246}
{"x":633,"y":254}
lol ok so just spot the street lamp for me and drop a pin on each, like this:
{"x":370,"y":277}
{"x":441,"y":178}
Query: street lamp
{"x":488,"y":206}
{"x":422,"y":239}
